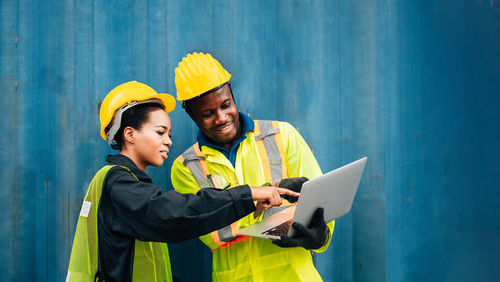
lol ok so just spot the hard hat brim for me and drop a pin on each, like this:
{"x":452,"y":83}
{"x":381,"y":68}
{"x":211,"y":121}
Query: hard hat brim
{"x":168,"y":101}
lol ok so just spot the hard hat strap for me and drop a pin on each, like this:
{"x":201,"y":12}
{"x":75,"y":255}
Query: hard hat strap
{"x":117,"y":117}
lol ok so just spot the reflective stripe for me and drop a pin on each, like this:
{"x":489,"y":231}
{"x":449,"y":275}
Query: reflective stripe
{"x":270,"y":147}
{"x":203,"y":163}
{"x":279,"y":143}
{"x":226,"y":234}
{"x":195,"y":161}
{"x":215,"y":238}
{"x":267,"y":139}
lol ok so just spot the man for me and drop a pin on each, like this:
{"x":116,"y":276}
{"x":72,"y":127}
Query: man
{"x":233,"y":149}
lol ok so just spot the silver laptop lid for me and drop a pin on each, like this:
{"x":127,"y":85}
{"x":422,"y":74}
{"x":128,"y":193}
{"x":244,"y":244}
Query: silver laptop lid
{"x":333,"y":191}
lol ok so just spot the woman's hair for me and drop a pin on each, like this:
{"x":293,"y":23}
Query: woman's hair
{"x":134,"y":117}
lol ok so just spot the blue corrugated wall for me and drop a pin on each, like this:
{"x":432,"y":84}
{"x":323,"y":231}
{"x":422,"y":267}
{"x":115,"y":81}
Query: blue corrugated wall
{"x":413,"y":85}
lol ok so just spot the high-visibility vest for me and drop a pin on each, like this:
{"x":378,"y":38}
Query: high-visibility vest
{"x":151,"y":259}
{"x":255,"y":259}
{"x":270,"y":147}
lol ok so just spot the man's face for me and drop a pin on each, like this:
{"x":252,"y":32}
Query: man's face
{"x":217,"y":117}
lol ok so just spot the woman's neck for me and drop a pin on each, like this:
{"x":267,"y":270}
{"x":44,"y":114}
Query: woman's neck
{"x":131,"y":155}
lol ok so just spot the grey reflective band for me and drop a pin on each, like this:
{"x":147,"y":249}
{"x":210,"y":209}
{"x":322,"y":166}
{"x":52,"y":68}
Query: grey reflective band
{"x":117,"y":117}
{"x":192,"y":161}
{"x":267,"y":134}
{"x":226,"y":234}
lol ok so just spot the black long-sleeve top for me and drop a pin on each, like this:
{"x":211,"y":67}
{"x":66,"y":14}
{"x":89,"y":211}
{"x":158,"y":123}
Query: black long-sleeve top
{"x":132,"y":209}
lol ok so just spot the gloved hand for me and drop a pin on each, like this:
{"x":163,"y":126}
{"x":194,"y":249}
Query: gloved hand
{"x":294,"y":184}
{"x":311,"y":238}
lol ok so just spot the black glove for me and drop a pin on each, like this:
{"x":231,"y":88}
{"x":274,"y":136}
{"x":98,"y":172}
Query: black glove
{"x":294,"y":184}
{"x":311,"y":238}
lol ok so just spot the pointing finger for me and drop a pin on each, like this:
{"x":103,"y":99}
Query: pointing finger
{"x":284,"y":191}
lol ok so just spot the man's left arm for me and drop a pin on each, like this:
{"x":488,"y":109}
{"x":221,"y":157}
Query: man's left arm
{"x":300,"y":162}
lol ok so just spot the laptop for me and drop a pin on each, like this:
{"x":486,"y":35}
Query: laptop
{"x":333,"y":191}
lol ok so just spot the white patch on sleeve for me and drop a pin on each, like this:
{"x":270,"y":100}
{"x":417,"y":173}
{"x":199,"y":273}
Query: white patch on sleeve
{"x":68,"y":275}
{"x":85,"y":209}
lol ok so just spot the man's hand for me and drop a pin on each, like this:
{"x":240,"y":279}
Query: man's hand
{"x":294,"y":184}
{"x":311,"y":238}
{"x":269,"y":196}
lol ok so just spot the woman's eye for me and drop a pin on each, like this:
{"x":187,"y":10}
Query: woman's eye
{"x":160,"y":133}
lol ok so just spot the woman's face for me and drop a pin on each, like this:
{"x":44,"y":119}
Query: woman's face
{"x":151,"y":141}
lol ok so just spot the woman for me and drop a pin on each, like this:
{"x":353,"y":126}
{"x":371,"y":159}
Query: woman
{"x":125,"y":217}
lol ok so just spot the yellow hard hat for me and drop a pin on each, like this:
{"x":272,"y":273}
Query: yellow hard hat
{"x":198,"y":73}
{"x":125,"y":96}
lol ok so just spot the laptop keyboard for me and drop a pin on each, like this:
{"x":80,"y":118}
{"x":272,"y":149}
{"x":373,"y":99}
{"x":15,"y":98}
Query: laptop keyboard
{"x":279,"y":230}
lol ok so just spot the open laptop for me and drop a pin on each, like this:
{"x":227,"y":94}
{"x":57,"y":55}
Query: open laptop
{"x":333,"y":191}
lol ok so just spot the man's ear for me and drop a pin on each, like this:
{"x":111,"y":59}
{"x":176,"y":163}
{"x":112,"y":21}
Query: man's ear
{"x":190,"y":113}
{"x":128,"y":135}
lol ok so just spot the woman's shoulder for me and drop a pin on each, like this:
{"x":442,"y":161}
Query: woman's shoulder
{"x":117,"y":172}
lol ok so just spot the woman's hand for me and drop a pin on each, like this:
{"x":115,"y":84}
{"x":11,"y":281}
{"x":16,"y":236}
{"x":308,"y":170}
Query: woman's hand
{"x":269,"y":196}
{"x":294,"y":184}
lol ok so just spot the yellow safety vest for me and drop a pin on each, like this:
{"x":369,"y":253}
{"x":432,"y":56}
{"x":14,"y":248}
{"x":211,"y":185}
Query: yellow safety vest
{"x":274,"y":150}
{"x":151,"y":259}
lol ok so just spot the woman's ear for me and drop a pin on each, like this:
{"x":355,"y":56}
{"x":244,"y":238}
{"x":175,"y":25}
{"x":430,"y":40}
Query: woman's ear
{"x":128,"y":135}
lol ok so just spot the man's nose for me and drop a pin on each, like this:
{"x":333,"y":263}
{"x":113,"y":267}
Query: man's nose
{"x":220,"y":117}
